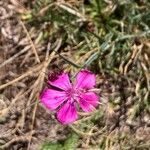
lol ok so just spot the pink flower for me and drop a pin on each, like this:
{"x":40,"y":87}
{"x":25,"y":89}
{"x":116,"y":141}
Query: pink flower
{"x":65,"y":96}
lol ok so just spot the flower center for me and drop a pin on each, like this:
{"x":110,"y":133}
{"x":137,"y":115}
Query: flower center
{"x":73,"y":94}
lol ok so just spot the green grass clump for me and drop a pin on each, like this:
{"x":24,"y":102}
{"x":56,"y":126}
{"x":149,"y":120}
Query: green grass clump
{"x":69,"y":144}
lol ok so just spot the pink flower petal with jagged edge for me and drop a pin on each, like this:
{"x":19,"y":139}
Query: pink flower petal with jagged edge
{"x":85,"y":80}
{"x":52,"y":98}
{"x":62,"y":82}
{"x":67,"y":113}
{"x":88,"y":101}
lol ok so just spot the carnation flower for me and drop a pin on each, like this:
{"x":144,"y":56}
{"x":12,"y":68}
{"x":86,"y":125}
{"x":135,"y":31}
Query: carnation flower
{"x":66,"y":97}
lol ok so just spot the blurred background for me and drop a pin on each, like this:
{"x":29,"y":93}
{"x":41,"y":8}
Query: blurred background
{"x":110,"y":38}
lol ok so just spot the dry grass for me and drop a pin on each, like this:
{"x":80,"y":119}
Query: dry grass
{"x":111,"y":38}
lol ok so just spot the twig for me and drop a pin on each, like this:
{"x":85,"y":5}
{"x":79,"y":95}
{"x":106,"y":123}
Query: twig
{"x":31,"y":42}
{"x":39,"y":82}
{"x":15,"y":56}
{"x":85,"y":133}
{"x":69,"y":61}
{"x":88,"y":138}
{"x":135,"y":52}
{"x":79,"y":132}
{"x":21,"y":77}
{"x":70,"y":10}
{"x":15,"y":140}
{"x":32,"y":124}
{"x":43,"y":10}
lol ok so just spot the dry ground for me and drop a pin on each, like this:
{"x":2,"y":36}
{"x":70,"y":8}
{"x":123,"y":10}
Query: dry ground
{"x":111,"y":38}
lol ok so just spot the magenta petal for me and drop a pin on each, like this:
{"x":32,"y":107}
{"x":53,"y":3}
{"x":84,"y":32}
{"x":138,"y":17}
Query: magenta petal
{"x":88,"y":101}
{"x":85,"y":79}
{"x":62,"y":81}
{"x":67,"y":114}
{"x":52,"y":98}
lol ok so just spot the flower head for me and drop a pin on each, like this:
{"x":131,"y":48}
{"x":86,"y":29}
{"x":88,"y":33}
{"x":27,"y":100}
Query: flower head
{"x":65,"y":96}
